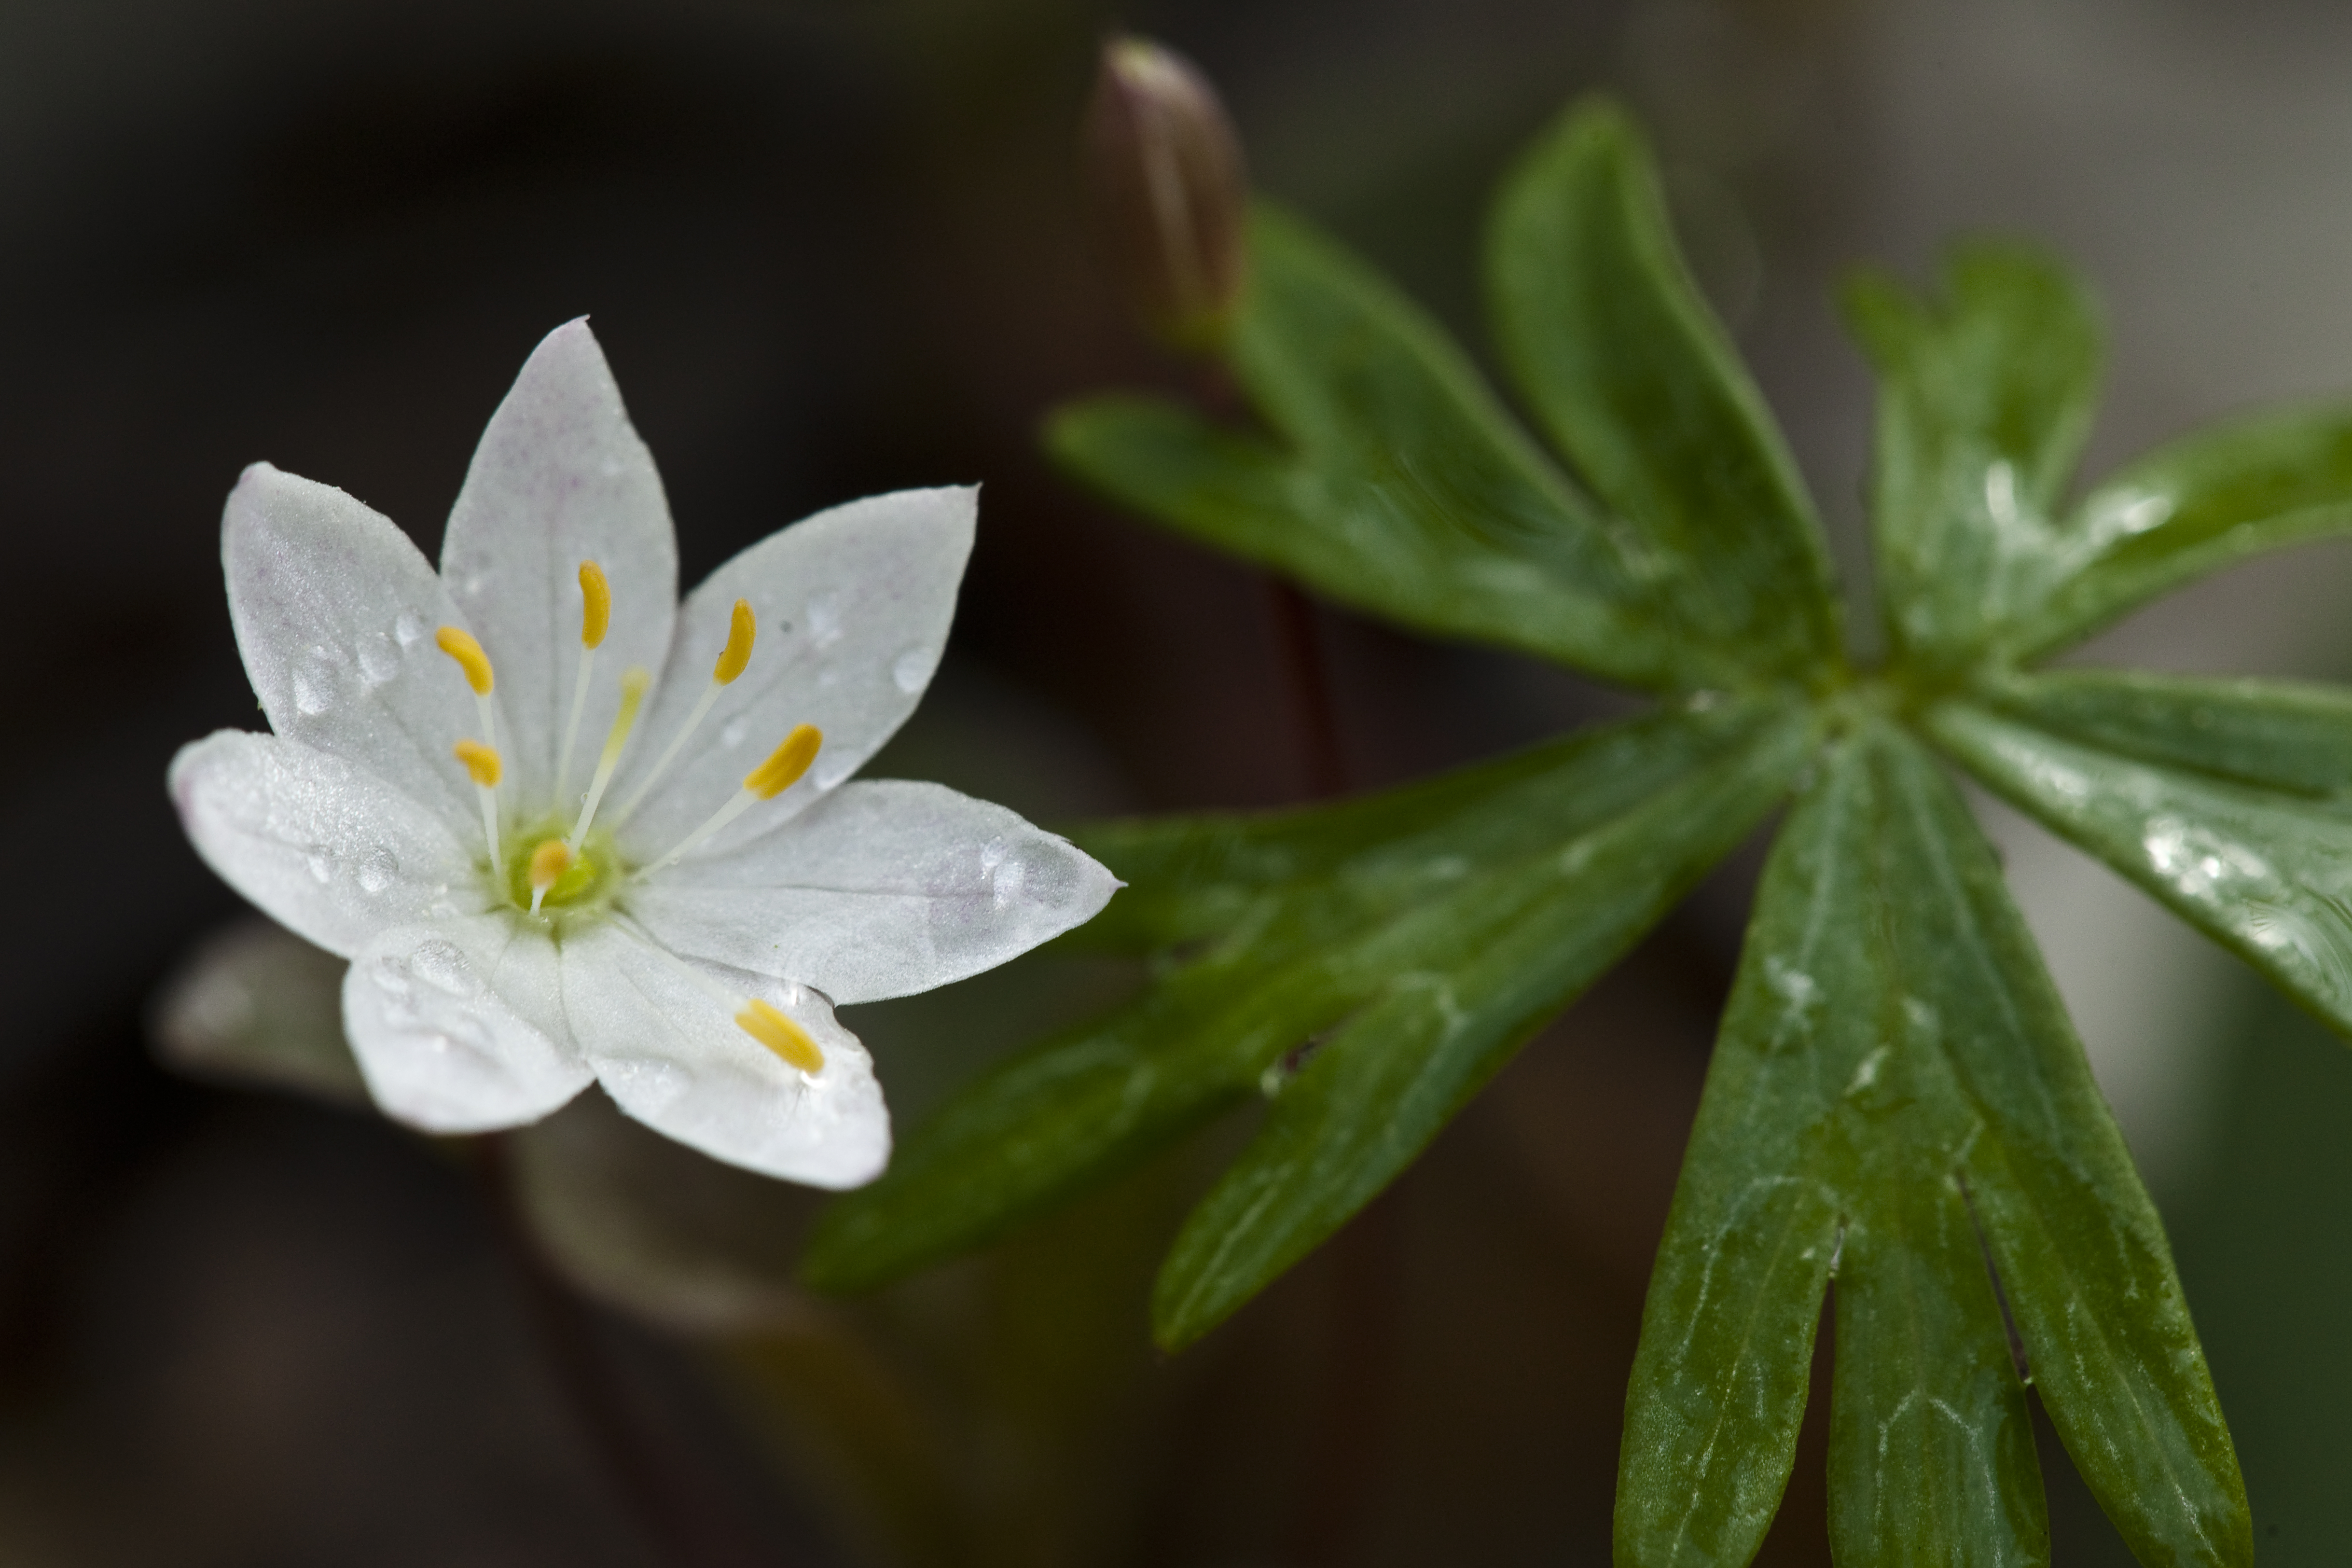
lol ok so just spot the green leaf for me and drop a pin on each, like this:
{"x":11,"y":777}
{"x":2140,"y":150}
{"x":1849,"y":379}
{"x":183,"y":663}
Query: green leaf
{"x":1528,"y":938}
{"x":2266,"y":872}
{"x":1894,"y":1067}
{"x":1631,"y":377}
{"x":2202,"y":503}
{"x":2280,"y":734}
{"x":1931,"y":1444}
{"x":1278,"y":929}
{"x":1397,"y":483}
{"x":1985,"y":397}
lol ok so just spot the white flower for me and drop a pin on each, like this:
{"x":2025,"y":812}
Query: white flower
{"x":681,"y":934}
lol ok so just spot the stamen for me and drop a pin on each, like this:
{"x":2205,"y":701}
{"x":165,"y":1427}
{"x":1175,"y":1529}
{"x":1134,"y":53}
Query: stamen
{"x":596,"y":618}
{"x":461,"y":647}
{"x":768,"y":1024}
{"x":596,"y":604}
{"x":763,"y":1021}
{"x":786,"y":763}
{"x":740,"y":629}
{"x":483,"y":765}
{"x":476,"y":664}
{"x":548,"y":864}
{"x":481,"y":762}
{"x":634,"y":682}
{"x":783,"y":769}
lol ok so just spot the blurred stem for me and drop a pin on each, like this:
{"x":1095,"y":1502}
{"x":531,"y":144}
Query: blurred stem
{"x":1364,"y":1275}
{"x":1299,"y":637}
{"x":651,"y":1488}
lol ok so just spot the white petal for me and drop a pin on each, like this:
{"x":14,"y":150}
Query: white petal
{"x":335,"y":612}
{"x":328,"y":850}
{"x":883,"y":889}
{"x":459,"y":1023}
{"x":852,"y":606}
{"x":560,"y":478}
{"x":667,"y":1049}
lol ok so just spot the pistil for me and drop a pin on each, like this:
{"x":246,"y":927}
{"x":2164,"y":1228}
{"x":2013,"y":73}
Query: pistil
{"x":548,"y":864}
{"x":740,"y":629}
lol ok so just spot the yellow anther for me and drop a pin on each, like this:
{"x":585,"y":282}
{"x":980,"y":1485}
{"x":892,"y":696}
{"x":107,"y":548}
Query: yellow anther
{"x":481,"y":762}
{"x":596,"y":604}
{"x":548,"y":864}
{"x":786,"y":763}
{"x":738,"y":653}
{"x":767,"y":1023}
{"x":461,"y":647}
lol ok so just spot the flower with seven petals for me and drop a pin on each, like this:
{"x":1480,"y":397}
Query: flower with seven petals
{"x":673,"y":915}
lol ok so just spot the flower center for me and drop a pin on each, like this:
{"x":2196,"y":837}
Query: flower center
{"x":545,"y":874}
{"x":553,"y":874}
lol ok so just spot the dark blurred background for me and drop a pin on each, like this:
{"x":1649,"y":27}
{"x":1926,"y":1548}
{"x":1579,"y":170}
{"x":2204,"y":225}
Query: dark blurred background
{"x":835,"y":247}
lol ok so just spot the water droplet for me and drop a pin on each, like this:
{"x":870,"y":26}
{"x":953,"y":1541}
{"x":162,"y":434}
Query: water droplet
{"x":991,"y":854}
{"x":830,"y":771}
{"x":442,"y":965}
{"x":731,"y":733}
{"x":407,"y":629}
{"x":1004,"y":882}
{"x":312,"y":691}
{"x":823,"y":622}
{"x":379,"y":660}
{"x":912,"y":669}
{"x":377,"y":871}
{"x":322,"y":869}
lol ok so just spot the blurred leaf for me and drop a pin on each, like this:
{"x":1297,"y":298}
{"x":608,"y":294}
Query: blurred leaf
{"x":1895,"y":1068}
{"x":2280,"y":734}
{"x":255,"y":1004}
{"x":1388,"y":898}
{"x":1399,"y":485}
{"x":1631,"y":377}
{"x":2204,"y":503}
{"x":2266,"y":872}
{"x":1532,"y":935}
{"x":1985,"y":397}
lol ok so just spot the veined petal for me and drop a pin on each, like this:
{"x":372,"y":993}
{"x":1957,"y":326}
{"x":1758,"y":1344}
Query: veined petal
{"x":852,"y":606}
{"x":883,"y":889}
{"x":669,"y":1051}
{"x":330,"y":850}
{"x":335,"y":611}
{"x":459,"y":1023}
{"x":560,"y":478}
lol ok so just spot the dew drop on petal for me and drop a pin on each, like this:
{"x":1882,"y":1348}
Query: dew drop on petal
{"x":830,"y":772}
{"x":912,"y":669}
{"x":311,"y":690}
{"x":379,"y":660}
{"x":730,"y":734}
{"x":377,"y":871}
{"x":442,"y":965}
{"x":407,"y":628}
{"x":823,"y":622}
{"x":322,"y":868}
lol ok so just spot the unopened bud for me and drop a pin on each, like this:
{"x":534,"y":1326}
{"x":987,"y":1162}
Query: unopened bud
{"x":1169,"y":193}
